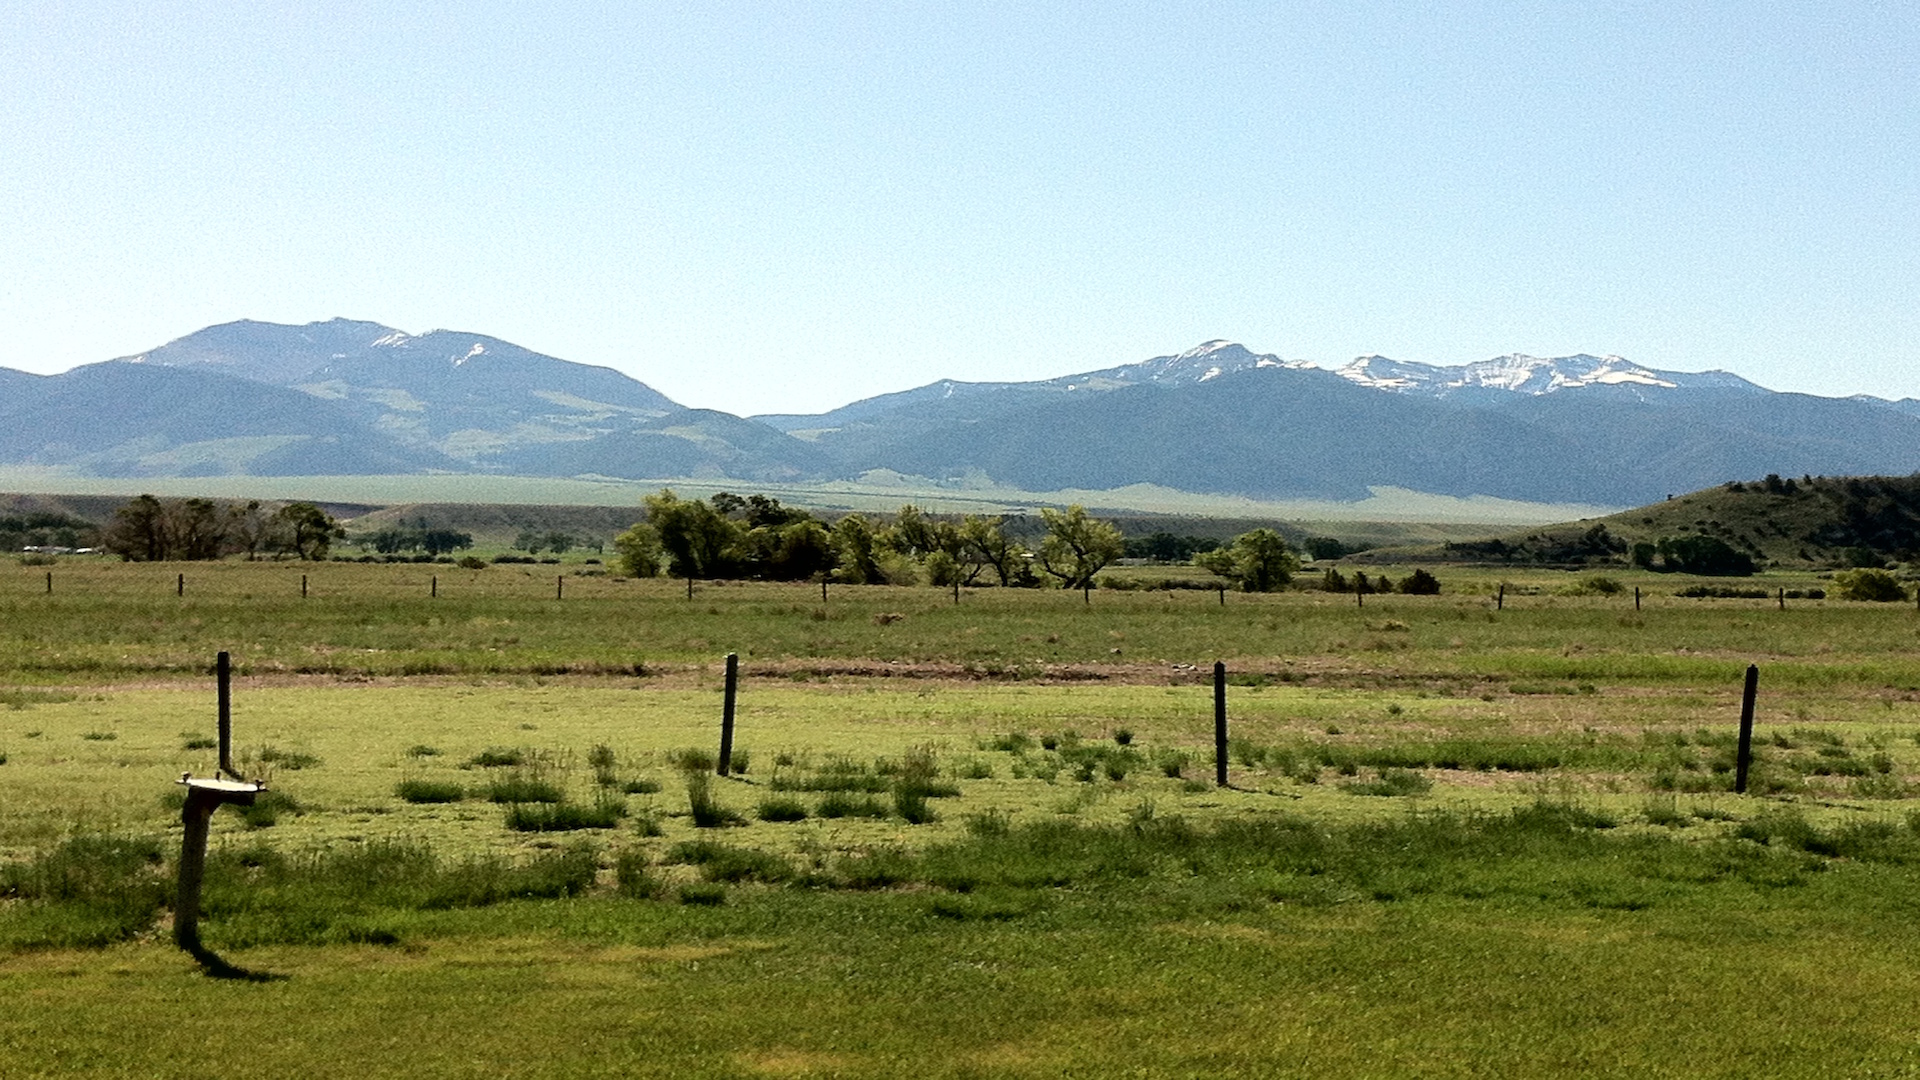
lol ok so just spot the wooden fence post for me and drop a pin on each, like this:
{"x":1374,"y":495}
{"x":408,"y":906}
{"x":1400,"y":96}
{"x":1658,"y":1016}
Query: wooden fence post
{"x":1636,"y":598}
{"x":1744,"y":760}
{"x":1500,"y":601}
{"x":435,"y":587}
{"x":1220,"y":723}
{"x":49,"y":583}
{"x":726,"y":714}
{"x":303,"y":586}
{"x":560,"y":587}
{"x":180,"y":585}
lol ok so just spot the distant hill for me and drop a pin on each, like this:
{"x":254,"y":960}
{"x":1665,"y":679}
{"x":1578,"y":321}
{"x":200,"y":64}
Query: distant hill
{"x":1804,"y":521}
{"x":346,"y":397}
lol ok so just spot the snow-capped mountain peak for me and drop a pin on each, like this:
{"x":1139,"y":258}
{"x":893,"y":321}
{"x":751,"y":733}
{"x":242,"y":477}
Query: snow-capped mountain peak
{"x":1519,"y":373}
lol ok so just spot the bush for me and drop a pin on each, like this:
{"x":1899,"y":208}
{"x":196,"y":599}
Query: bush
{"x":634,"y":878}
{"x":841,"y":804}
{"x":496,"y":757}
{"x":267,"y":808}
{"x":1391,"y":782}
{"x":472,"y":562}
{"x":1420,"y":583}
{"x":1868,"y":584}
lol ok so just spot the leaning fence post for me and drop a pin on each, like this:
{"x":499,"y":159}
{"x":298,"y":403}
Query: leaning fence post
{"x":180,"y":585}
{"x":1500,"y":600}
{"x":49,"y":583}
{"x":1744,"y":760}
{"x":1783,"y":599}
{"x":1220,"y":723}
{"x":726,"y":714}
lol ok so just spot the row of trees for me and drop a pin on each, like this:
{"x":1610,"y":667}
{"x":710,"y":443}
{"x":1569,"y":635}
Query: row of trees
{"x":147,"y":529}
{"x":729,"y":536}
{"x":422,"y":538}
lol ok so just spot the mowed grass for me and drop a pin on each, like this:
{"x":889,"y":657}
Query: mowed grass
{"x":1457,"y":841}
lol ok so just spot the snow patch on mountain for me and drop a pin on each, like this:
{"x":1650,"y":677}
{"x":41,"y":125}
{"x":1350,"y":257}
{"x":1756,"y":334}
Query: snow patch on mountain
{"x":1530,"y":375}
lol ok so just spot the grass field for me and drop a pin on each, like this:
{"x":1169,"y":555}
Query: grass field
{"x":973,"y":839}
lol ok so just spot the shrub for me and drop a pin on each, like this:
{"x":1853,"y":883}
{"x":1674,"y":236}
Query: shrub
{"x":1420,"y":583}
{"x":1123,"y":736}
{"x":430,"y":791}
{"x":421,"y":750}
{"x":199,"y":742}
{"x":472,"y":562}
{"x":724,"y":862}
{"x":1868,"y":584}
{"x":703,"y":893}
{"x":640,"y":787}
{"x":498,"y":757}
{"x":692,"y":760}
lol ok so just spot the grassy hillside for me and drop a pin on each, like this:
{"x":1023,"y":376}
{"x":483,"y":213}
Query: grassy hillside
{"x":1812,"y":521}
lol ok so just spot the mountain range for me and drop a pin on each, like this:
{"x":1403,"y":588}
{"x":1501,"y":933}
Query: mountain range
{"x":358,"y":398}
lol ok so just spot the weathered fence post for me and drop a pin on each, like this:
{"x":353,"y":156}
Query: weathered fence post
{"x":1222,"y":590}
{"x":726,"y":714}
{"x":1220,"y":723}
{"x":1783,"y":599}
{"x":1500,"y":600}
{"x":196,"y":815}
{"x":303,"y":586}
{"x":560,"y":587}
{"x":49,"y":583}
{"x":1744,"y":760}
{"x":180,"y":585}
{"x":956,"y":591}
{"x":434,"y":589}
{"x":1636,"y":598}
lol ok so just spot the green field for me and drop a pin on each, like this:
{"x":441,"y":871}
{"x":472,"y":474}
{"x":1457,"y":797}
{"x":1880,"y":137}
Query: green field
{"x":1461,"y":837}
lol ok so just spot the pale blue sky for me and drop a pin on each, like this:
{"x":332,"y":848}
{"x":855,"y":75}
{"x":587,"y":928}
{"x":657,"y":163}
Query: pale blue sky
{"x":783,"y":207}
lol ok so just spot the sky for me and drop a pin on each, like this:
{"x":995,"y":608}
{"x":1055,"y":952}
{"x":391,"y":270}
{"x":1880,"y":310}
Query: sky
{"x":783,"y":207}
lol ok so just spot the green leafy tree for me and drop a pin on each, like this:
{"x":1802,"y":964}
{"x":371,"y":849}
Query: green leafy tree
{"x":984,"y":545}
{"x":698,"y":538}
{"x":1868,"y":583}
{"x":1709,"y":556}
{"x":853,"y":548}
{"x":1421,"y":583}
{"x":304,"y":530}
{"x":1077,"y":546}
{"x":638,"y":552}
{"x":138,"y":531}
{"x":1259,"y":561}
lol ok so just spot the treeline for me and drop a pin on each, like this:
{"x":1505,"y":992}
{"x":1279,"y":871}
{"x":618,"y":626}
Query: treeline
{"x":43,"y":529}
{"x":147,"y":529}
{"x":755,"y":537}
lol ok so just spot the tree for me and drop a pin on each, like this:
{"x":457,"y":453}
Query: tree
{"x":1077,"y":546}
{"x":1421,"y":583}
{"x":1260,"y":561}
{"x":853,"y":544}
{"x":698,"y":538}
{"x":638,"y":551}
{"x":1709,"y":556}
{"x":1868,"y":583}
{"x":138,"y":532}
{"x":984,"y":543}
{"x":304,"y":530}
